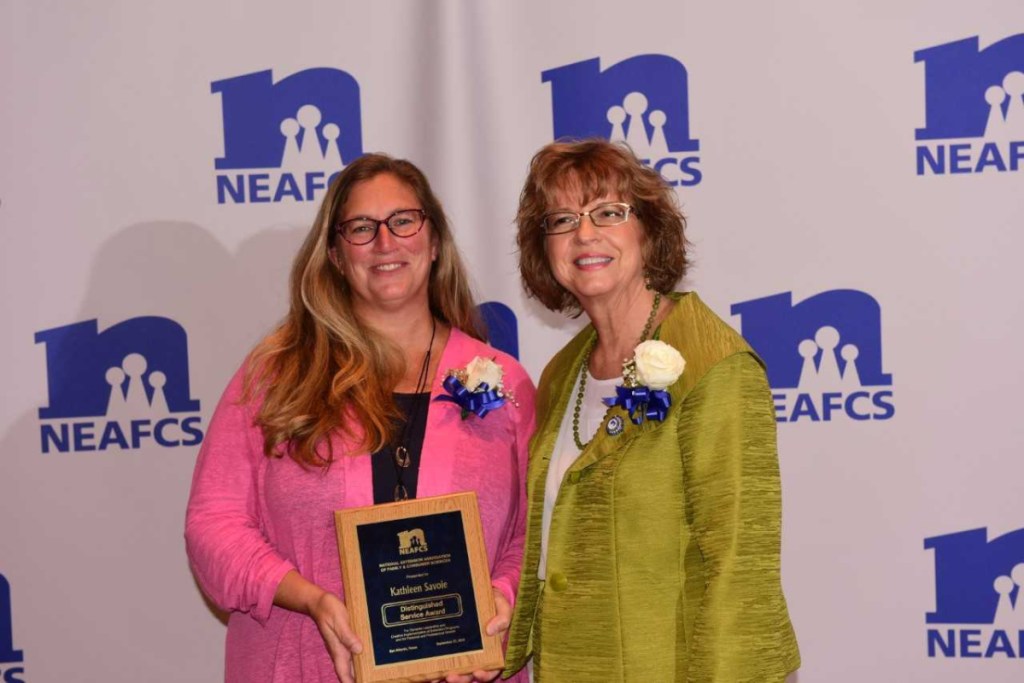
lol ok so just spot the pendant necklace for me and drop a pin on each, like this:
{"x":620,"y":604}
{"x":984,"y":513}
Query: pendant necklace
{"x":402,"y":459}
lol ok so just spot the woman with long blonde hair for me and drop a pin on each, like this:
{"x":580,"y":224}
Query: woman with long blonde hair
{"x":335,"y":409}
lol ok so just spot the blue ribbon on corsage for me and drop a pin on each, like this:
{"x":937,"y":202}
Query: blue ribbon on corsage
{"x":641,"y":402}
{"x":479,"y":402}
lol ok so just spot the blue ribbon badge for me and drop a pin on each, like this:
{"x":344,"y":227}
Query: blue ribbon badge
{"x":641,"y":402}
{"x":479,"y":402}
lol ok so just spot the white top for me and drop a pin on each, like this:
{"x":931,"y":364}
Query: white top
{"x":592,"y":414}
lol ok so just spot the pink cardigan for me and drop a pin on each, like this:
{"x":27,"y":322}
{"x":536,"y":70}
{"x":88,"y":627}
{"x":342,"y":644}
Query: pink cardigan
{"x":251,"y":519}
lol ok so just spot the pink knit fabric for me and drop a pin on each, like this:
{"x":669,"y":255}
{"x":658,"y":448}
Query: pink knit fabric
{"x":251,"y":519}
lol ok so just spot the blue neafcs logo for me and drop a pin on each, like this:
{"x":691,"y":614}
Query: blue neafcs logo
{"x":979,"y":595}
{"x":642,"y":101}
{"x":123,"y":388}
{"x":974,"y":105}
{"x":286,"y":141}
{"x":824,"y":354}
{"x":8,"y":654}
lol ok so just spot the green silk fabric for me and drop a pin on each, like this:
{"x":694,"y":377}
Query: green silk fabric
{"x":663,"y":560}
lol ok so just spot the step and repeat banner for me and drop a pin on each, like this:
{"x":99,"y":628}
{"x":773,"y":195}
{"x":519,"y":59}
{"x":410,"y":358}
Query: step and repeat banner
{"x":853,"y":176}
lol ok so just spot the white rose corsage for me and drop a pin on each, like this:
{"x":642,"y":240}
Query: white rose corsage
{"x":477,"y":388}
{"x":654,"y":367}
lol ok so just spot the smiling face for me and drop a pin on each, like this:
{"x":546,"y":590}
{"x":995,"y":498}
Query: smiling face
{"x":390,"y":272}
{"x":596,"y":264}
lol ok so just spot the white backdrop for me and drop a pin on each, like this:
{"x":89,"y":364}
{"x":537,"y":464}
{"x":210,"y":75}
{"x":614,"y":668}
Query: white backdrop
{"x":810,"y":183}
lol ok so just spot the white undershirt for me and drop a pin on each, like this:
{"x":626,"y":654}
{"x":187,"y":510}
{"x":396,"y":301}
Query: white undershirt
{"x":592,"y":414}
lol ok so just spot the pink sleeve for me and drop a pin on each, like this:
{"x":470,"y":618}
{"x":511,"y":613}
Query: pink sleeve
{"x":232,"y":560}
{"x":505,"y":576}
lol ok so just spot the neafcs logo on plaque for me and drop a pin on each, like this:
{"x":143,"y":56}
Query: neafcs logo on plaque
{"x":974,"y":107}
{"x":286,"y":141}
{"x":643,"y":101}
{"x":417,"y":587}
{"x":979,"y":596}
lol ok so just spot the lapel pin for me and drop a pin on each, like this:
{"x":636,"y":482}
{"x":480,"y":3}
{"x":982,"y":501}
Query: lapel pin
{"x":615,"y":425}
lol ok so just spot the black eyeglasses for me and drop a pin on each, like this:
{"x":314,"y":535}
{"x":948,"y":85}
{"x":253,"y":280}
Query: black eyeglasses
{"x":602,"y":216}
{"x":363,"y":229}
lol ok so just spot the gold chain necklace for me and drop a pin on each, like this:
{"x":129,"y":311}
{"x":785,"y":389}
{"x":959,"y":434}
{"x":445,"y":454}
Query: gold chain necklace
{"x":583,"y":374}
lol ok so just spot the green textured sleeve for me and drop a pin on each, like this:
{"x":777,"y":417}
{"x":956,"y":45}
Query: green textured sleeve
{"x":742,"y":630}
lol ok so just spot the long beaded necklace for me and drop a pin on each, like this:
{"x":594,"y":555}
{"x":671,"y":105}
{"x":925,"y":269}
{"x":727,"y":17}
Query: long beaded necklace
{"x":583,"y":374}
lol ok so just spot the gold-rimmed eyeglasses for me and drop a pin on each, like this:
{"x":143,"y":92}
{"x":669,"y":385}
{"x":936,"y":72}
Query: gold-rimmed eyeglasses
{"x":602,"y":216}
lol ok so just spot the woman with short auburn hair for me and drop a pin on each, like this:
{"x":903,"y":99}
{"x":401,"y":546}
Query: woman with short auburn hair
{"x":590,"y":165}
{"x":654,"y":512}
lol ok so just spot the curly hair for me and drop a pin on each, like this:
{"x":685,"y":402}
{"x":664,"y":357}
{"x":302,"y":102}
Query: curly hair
{"x":591,"y":169}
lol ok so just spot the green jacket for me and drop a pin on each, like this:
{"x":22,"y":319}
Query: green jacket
{"x":663,"y":560}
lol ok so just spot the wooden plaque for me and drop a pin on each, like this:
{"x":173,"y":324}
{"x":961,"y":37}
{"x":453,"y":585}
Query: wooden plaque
{"x":418,"y":589}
